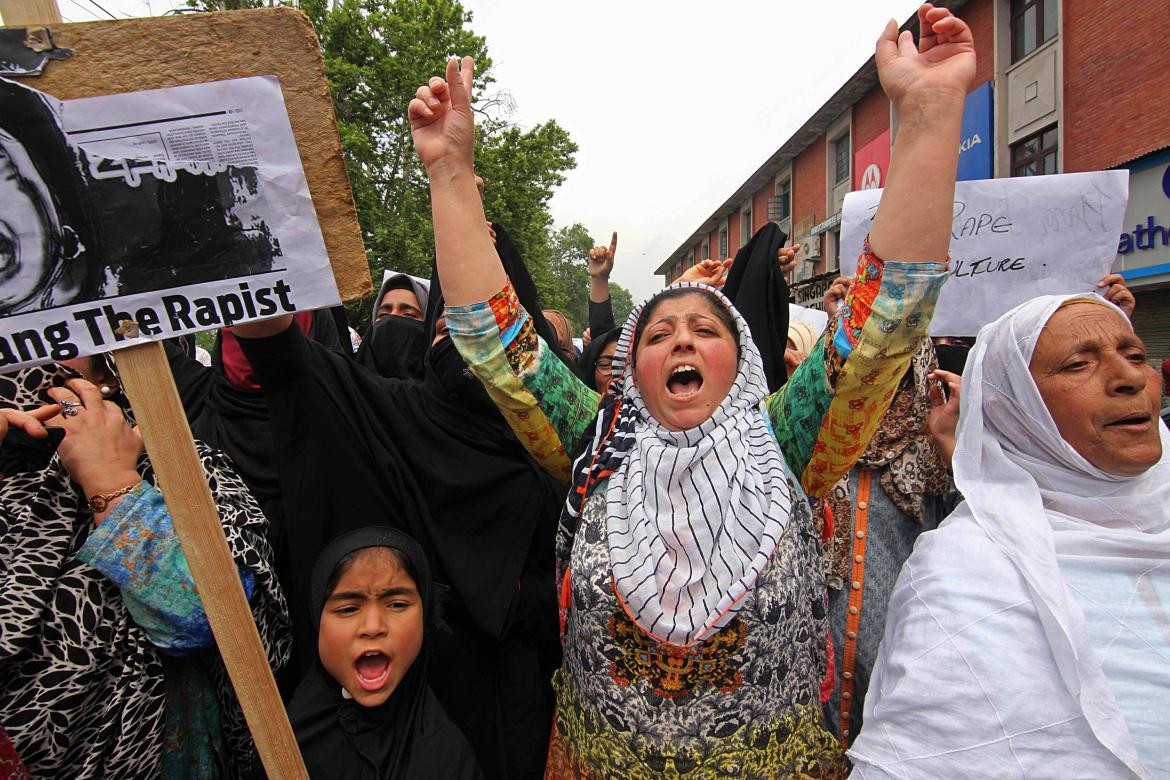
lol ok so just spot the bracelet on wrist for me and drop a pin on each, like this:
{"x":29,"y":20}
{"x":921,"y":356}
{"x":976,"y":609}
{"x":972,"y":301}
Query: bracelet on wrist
{"x":99,"y":502}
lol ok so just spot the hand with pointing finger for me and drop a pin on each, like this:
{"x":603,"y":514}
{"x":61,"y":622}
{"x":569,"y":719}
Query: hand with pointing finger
{"x":601,"y":259}
{"x":441,"y":122}
{"x":787,"y":257}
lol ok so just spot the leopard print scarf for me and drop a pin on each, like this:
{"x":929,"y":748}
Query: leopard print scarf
{"x":910,"y":465}
{"x":83,"y":692}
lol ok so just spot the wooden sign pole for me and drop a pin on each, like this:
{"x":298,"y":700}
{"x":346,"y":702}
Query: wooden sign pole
{"x":147,"y":380}
{"x":29,"y":13}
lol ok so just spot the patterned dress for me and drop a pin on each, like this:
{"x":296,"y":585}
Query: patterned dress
{"x":743,"y":702}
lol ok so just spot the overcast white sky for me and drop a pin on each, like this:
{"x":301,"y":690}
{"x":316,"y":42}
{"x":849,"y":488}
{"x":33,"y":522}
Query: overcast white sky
{"x":672,"y":105}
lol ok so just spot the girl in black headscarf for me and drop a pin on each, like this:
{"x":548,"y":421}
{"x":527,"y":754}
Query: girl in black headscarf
{"x":365,"y":711}
{"x":436,"y":454}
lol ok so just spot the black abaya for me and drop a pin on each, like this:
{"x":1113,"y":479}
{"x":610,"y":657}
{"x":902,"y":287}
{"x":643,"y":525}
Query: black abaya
{"x":435,"y":458}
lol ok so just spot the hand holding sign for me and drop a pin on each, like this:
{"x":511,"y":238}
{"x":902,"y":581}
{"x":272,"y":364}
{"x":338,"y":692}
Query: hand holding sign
{"x":441,"y":122}
{"x":1114,"y":289}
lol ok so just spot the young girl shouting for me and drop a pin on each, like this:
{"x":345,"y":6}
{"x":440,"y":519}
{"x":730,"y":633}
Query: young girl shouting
{"x":365,"y":710}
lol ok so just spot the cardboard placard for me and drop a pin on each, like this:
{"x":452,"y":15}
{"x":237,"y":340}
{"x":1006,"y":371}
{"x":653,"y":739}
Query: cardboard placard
{"x":138,"y":54}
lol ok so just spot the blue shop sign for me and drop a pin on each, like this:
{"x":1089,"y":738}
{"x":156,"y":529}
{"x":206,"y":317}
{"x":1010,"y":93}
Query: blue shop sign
{"x":1143,"y":253}
{"x":977,"y":141}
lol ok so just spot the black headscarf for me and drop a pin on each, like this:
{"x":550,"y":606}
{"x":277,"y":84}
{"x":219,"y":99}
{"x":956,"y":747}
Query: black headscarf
{"x":760,"y":293}
{"x":592,"y":352}
{"x":409,"y":735}
{"x":436,"y":454}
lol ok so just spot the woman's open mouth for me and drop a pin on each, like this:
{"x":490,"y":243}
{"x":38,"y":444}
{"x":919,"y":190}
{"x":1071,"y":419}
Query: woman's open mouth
{"x":684,"y":382}
{"x":373,"y":669}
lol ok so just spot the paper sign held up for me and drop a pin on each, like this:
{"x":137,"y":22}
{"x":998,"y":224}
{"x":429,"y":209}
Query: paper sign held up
{"x":183,"y":209}
{"x":1014,"y":239}
{"x":128,"y":55}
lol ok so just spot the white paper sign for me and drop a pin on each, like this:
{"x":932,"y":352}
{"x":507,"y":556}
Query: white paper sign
{"x":1014,"y":239}
{"x":815,"y":317}
{"x":184,"y":209}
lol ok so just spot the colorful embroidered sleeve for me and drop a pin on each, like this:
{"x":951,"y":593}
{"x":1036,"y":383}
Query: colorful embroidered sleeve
{"x":137,"y":549}
{"x":546,"y":405}
{"x":828,"y":411}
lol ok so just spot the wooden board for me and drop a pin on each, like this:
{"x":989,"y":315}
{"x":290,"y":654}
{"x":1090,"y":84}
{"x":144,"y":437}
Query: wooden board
{"x":135,"y":54}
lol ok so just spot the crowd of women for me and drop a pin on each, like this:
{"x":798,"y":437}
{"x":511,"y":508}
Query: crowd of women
{"x":467,"y":547}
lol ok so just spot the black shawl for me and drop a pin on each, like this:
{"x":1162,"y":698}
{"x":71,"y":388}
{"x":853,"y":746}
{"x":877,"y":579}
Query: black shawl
{"x":760,"y":293}
{"x":407,"y":737}
{"x":435,"y":455}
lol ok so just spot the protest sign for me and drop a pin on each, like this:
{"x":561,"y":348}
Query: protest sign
{"x":815,"y":317}
{"x":1014,"y":239}
{"x":129,"y":55}
{"x":182,"y":209}
{"x":50,"y":266}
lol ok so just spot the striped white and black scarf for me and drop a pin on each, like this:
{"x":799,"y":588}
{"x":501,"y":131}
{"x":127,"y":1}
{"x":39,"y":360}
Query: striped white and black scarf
{"x":693,"y":516}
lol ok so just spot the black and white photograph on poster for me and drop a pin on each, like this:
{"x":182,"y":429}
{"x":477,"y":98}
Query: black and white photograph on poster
{"x":183,"y":209}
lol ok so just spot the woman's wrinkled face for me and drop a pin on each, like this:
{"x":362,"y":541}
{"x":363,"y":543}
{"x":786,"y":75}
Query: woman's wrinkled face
{"x":1092,"y":373}
{"x":685,"y":361}
{"x":26,"y":225}
{"x":371,"y":627}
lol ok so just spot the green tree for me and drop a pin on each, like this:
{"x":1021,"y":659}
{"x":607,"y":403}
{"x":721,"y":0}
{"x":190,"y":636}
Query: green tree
{"x":377,"y":53}
{"x":622,"y":301}
{"x":568,"y":286}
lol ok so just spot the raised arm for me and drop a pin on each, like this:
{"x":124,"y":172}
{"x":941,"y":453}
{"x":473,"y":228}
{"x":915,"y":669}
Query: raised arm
{"x":545,"y":404}
{"x":829,"y":410}
{"x":927,"y":85}
{"x":600,"y":307}
{"x":444,"y":137}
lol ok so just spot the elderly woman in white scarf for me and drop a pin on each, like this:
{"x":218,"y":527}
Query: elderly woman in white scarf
{"x":1029,"y":636}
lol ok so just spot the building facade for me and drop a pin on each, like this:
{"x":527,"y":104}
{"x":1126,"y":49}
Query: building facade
{"x":1062,"y":86}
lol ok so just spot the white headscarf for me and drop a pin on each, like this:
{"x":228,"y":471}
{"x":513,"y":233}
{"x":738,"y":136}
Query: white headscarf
{"x":693,"y":516}
{"x":1034,"y":497}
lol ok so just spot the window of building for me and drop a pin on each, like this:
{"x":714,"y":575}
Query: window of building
{"x":1036,"y":154}
{"x":745,"y":224}
{"x":705,"y":253}
{"x":723,"y":242}
{"x":783,"y":200}
{"x":1033,"y":23}
{"x":841,"y":159}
